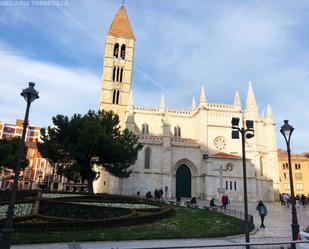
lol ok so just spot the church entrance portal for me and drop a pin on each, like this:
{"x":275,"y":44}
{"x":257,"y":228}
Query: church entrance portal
{"x":183,"y":181}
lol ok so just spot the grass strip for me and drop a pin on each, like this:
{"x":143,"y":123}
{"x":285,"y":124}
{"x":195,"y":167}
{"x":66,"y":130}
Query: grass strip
{"x":187,"y":223}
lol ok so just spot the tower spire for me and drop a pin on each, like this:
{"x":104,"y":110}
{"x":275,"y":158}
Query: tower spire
{"x":162,"y":102}
{"x":193,"y":106}
{"x":251,"y":105}
{"x":202,"y":96}
{"x":269,"y":113}
{"x":121,"y":26}
{"x":237,"y":101}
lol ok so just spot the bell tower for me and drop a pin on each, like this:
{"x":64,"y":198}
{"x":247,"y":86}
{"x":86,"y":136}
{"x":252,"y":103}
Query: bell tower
{"x":117,"y":66}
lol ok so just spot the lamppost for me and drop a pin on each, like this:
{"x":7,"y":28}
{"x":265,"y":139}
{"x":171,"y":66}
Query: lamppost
{"x":29,"y":94}
{"x":287,"y":131}
{"x":245,"y":133}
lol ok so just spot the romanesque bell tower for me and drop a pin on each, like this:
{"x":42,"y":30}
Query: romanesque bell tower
{"x":117,"y":67}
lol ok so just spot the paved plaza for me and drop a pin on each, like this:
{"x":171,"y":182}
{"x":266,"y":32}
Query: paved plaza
{"x":277,"y":222}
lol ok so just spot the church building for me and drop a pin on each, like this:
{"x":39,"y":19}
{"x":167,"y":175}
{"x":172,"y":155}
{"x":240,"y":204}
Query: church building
{"x":186,"y":153}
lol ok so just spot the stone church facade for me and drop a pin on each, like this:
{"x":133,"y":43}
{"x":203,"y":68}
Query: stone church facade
{"x":186,"y":153}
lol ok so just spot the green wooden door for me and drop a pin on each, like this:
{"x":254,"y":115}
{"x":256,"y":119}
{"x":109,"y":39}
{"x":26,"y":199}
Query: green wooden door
{"x":183,"y":181}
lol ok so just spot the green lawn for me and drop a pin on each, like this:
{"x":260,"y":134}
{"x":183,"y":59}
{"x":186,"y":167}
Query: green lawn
{"x":187,"y":223}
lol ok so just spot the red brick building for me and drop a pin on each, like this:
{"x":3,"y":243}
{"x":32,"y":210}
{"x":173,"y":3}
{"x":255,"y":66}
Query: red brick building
{"x":39,"y":173}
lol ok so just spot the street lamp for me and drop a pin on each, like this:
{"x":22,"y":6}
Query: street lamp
{"x":245,"y":133}
{"x":29,"y":94}
{"x":287,"y":131}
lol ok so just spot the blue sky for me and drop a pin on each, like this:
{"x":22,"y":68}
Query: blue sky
{"x":181,"y":45}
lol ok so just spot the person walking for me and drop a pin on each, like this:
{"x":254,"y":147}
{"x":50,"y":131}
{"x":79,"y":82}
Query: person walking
{"x":224,"y":201}
{"x":262,"y":212}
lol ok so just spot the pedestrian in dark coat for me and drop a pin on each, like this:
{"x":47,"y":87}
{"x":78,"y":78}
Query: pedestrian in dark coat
{"x":262,"y":212}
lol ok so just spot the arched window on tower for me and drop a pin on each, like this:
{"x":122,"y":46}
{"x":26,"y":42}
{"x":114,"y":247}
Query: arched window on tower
{"x":177,"y":131}
{"x":116,"y":96}
{"x":116,"y":50}
{"x":261,"y":166}
{"x":147,"y":158}
{"x":117,"y":78}
{"x":121,"y":72}
{"x":123,"y":51}
{"x":145,"y":128}
{"x":114,"y":74}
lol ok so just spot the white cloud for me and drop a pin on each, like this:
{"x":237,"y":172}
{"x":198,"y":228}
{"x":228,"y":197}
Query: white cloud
{"x":62,"y":90}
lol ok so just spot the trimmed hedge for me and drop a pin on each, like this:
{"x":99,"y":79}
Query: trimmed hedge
{"x":79,"y":211}
{"x":58,"y":215}
{"x":20,"y":195}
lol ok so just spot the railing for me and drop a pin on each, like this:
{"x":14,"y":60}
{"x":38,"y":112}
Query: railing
{"x":236,"y":245}
{"x":237,"y":214}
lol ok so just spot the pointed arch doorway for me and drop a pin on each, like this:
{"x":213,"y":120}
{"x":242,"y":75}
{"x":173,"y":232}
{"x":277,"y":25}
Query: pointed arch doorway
{"x":183,"y":181}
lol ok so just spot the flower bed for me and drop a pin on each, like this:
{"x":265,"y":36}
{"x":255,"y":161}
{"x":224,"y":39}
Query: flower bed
{"x":20,"y":195}
{"x":58,"y":195}
{"x":118,"y":205}
{"x":21,"y":209}
{"x":67,"y":212}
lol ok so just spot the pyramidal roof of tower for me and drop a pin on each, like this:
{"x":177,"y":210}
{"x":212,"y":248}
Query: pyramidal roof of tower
{"x":121,"y":26}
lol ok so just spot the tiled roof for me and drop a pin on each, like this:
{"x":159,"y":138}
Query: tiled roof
{"x":225,"y":155}
{"x":121,"y":26}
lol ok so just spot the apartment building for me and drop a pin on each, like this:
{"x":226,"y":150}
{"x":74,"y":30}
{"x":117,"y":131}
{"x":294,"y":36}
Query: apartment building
{"x":300,"y":171}
{"x":39,"y":173}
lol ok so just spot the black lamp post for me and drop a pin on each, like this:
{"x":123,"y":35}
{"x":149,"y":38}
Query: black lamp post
{"x":287,"y":131}
{"x":29,"y":94}
{"x":245,"y":133}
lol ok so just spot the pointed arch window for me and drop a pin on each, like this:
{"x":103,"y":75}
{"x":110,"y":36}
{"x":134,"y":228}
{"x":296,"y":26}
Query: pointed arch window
{"x":116,"y":94}
{"x":114,"y":74}
{"x":147,"y":158}
{"x":177,"y":131}
{"x":145,"y":129}
{"x":116,"y":50}
{"x":117,"y":74}
{"x":121,"y":72}
{"x":123,"y":51}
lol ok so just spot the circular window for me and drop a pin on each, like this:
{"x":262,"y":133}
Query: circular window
{"x":220,"y":143}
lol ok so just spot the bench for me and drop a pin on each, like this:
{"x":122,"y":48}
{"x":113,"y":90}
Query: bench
{"x":192,"y":205}
{"x":207,"y":207}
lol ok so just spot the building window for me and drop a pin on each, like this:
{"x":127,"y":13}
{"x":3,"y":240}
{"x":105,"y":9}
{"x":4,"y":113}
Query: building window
{"x":116,"y":93}
{"x":30,"y":153}
{"x":116,"y":50}
{"x":286,"y":186}
{"x":226,"y":185}
{"x":235,"y":187}
{"x":299,"y":186}
{"x":123,"y":51}
{"x":147,"y":158}
{"x":114,"y":74}
{"x":177,"y":131}
{"x":145,"y":129}
{"x":117,"y":74}
{"x":121,"y":73}
{"x":27,"y":173}
{"x":26,"y":186}
{"x":261,"y":166}
{"x":284,"y":175}
{"x":231,"y":185}
{"x":297,"y":166}
{"x":298,"y":176}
